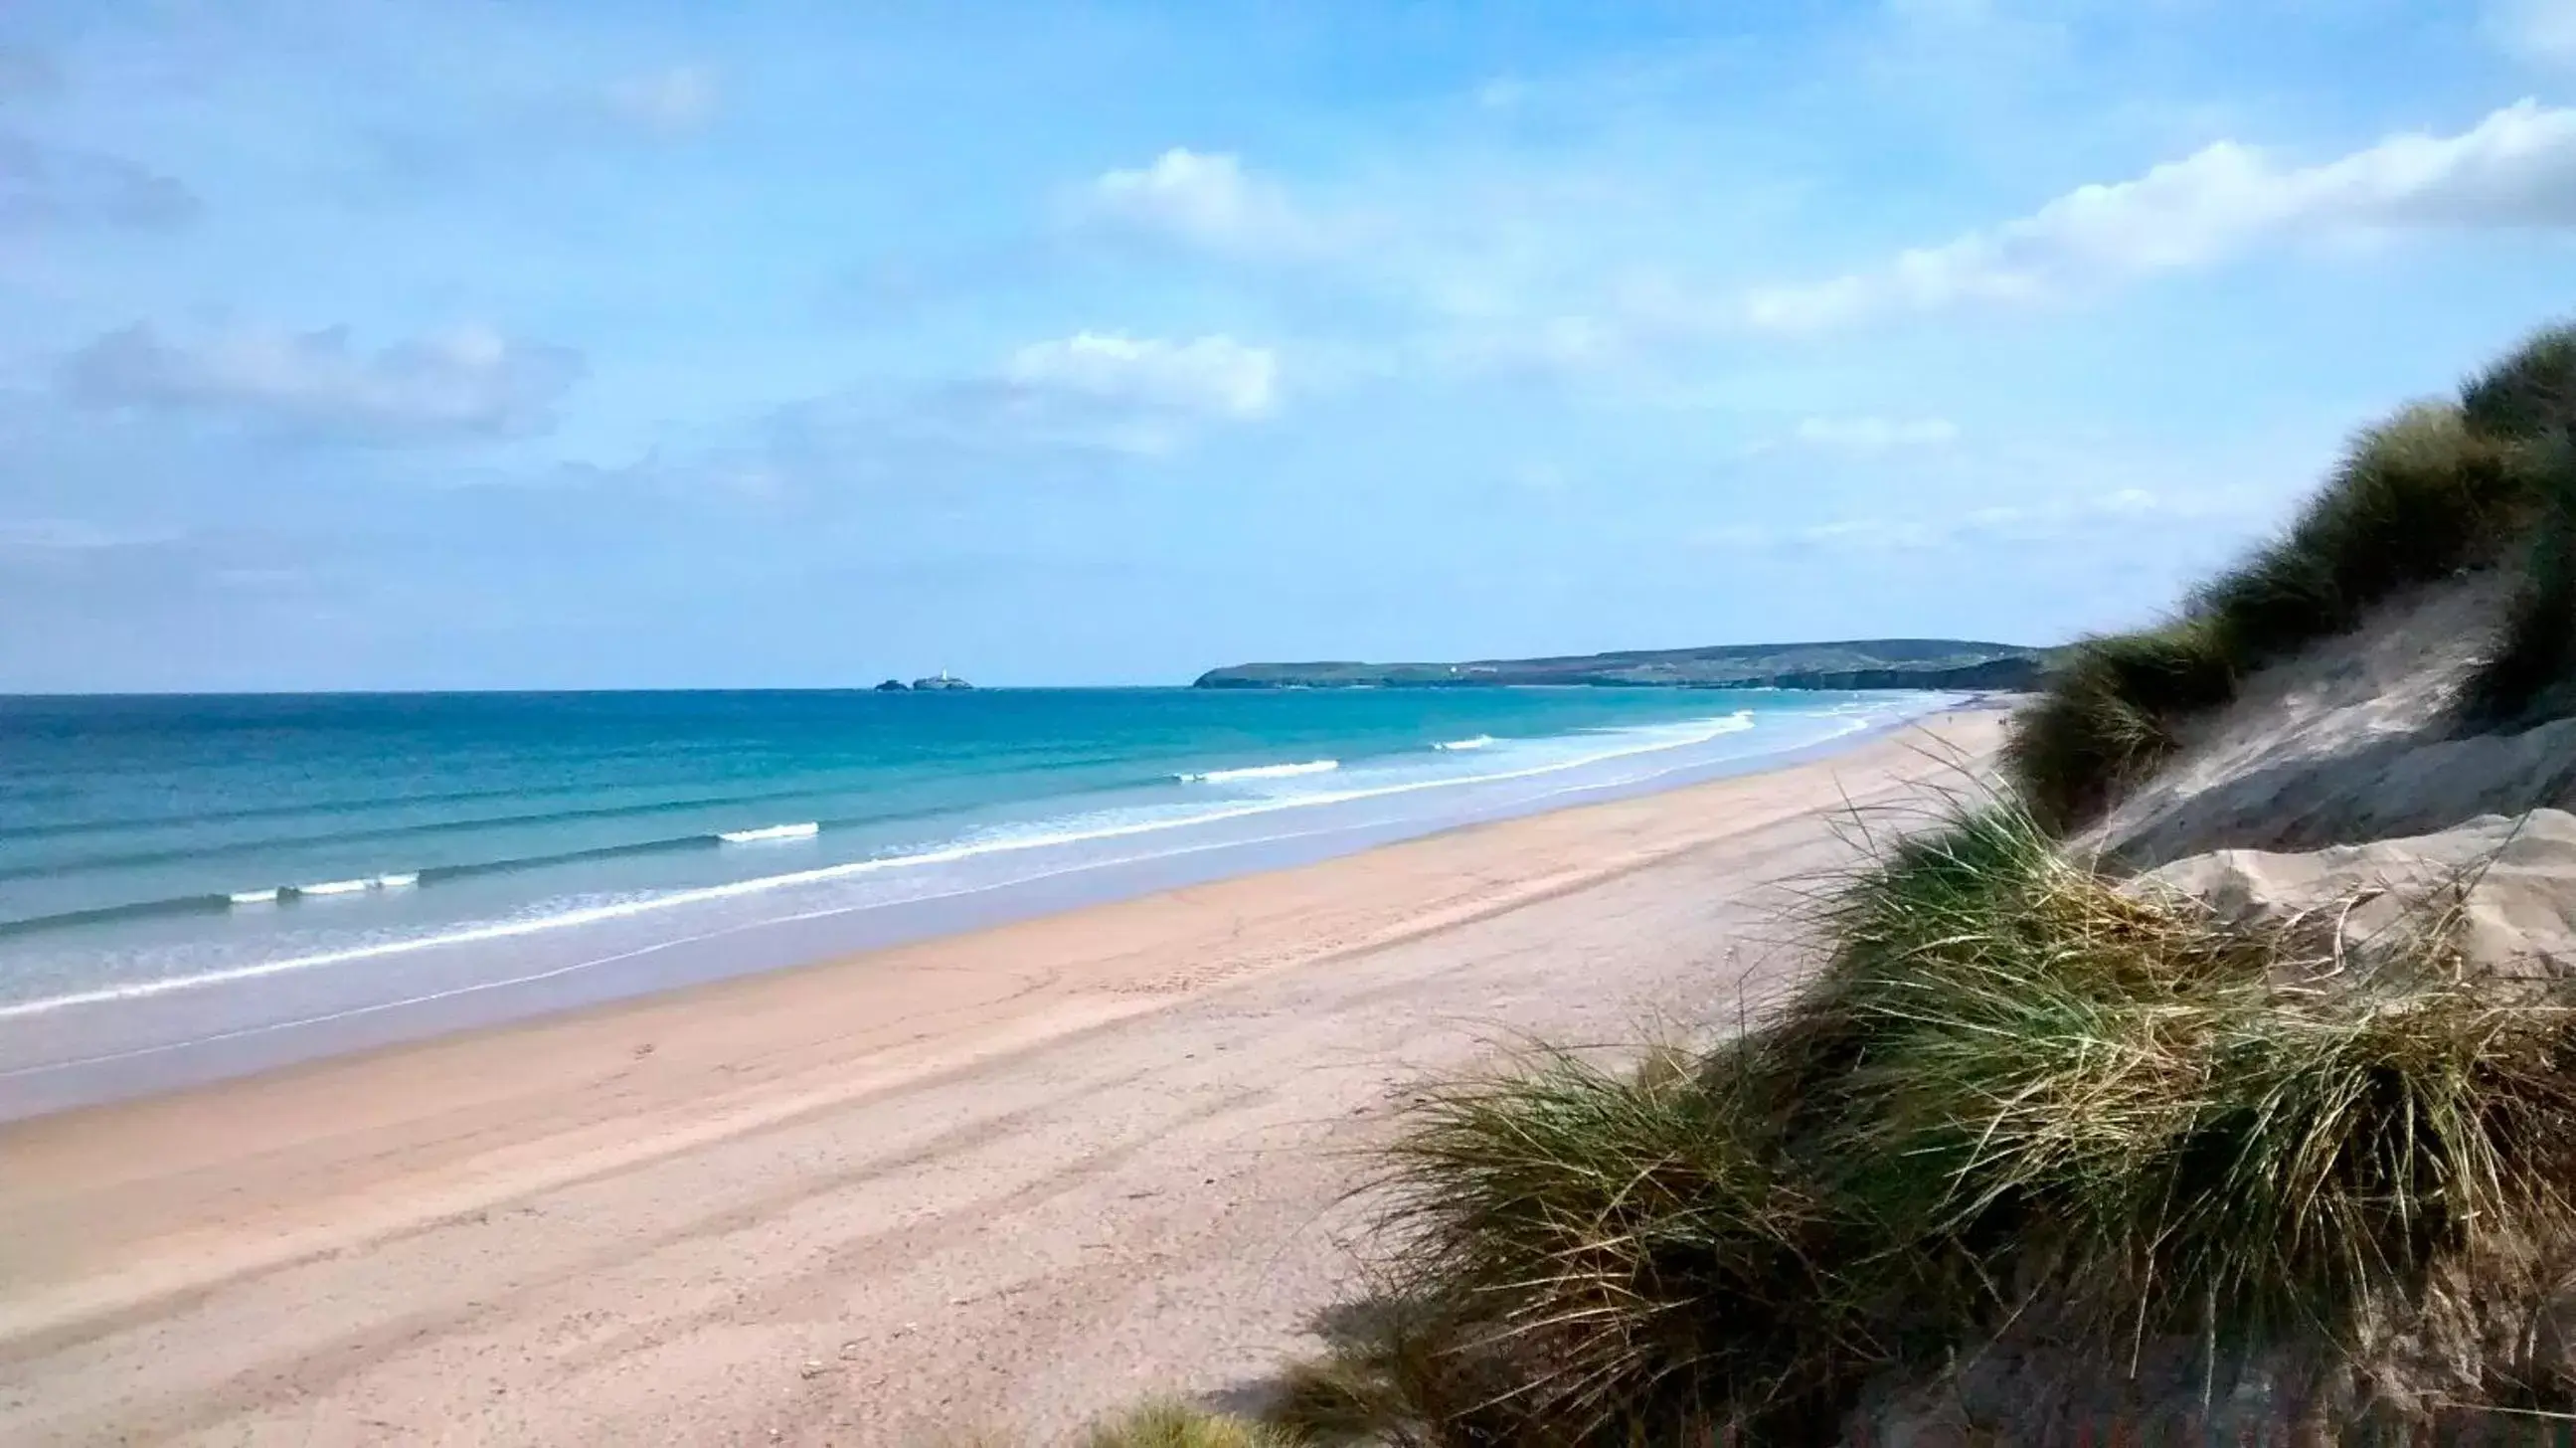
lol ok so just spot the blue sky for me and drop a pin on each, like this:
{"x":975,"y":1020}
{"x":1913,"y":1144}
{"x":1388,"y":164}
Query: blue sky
{"x":383,"y":344}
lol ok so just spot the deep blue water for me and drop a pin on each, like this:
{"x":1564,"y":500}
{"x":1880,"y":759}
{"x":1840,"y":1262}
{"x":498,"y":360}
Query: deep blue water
{"x":342,"y":844}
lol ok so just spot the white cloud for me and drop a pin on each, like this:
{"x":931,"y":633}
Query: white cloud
{"x":470,"y":382}
{"x":1205,"y":199}
{"x":2516,"y":168}
{"x":2540,"y":31}
{"x":1213,"y":376}
{"x":672,"y":102}
{"x":1876,"y":434}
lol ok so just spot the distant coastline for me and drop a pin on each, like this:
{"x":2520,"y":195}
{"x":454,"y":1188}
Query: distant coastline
{"x":1944,"y":664}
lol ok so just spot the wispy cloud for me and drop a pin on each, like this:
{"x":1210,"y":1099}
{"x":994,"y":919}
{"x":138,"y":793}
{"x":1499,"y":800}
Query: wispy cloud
{"x":2516,"y":168}
{"x":45,"y":187}
{"x":2542,"y":32}
{"x":673,"y":102}
{"x":1063,"y":409}
{"x":464,"y":384}
{"x":2030,"y":522}
{"x":1207,"y":200}
{"x":1873,"y":435}
{"x":1214,"y":376}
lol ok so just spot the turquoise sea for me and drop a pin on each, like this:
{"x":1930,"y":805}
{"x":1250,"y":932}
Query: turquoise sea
{"x":182,"y":870}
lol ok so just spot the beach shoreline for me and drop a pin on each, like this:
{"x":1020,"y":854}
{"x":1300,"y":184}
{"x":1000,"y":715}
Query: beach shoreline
{"x":156,"y":1035}
{"x":279,"y":1233}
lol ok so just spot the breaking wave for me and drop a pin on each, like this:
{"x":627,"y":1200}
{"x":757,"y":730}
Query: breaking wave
{"x":1261,"y":771}
{"x":802,"y":830}
{"x":1617,"y":745}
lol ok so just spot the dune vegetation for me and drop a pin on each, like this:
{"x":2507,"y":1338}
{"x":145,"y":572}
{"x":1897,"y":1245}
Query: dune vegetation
{"x":2440,"y":489}
{"x":2032,"y":1154}
{"x":2018,"y":1105}
{"x":2529,"y":674}
{"x":1169,"y":1423}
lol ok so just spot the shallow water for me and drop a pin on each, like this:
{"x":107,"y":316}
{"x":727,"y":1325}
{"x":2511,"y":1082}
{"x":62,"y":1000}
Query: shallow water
{"x":229,"y":875}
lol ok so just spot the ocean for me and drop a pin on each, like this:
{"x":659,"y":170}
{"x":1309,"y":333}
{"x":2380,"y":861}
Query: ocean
{"x":190,"y":886}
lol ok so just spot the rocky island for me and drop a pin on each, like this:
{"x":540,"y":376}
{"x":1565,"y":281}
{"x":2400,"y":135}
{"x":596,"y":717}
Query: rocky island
{"x":1850,"y":664}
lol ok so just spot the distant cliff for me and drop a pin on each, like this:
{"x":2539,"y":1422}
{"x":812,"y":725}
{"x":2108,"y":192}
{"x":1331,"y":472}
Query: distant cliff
{"x":1854,"y":664}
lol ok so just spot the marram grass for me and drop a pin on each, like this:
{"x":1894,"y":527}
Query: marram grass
{"x":2530,"y":393}
{"x":2414,"y":500}
{"x":2014,"y":1092}
{"x":2528,"y":672}
{"x":2113,"y":713}
{"x":1170,"y":1423}
{"x":2435,"y":490}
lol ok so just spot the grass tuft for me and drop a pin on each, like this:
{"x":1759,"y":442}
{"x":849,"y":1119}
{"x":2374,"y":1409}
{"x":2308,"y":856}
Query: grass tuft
{"x":1636,"y":1243}
{"x":2415,"y":500}
{"x":2014,"y":1093}
{"x":1391,"y":1377}
{"x":2113,"y":714}
{"x":2529,"y":672}
{"x":2531,"y":393}
{"x":2434,"y":491}
{"x":1168,"y":1423}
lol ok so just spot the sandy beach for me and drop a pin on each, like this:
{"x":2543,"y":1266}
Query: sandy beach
{"x":995,"y":1182}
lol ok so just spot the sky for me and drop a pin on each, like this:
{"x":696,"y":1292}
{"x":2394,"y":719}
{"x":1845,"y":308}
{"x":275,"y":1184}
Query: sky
{"x":410,"y":344}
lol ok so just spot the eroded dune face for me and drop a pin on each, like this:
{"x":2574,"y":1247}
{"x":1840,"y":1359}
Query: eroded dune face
{"x":2353,"y":740}
{"x":2500,"y":890}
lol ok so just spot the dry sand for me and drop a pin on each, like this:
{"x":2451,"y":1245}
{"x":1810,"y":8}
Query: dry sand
{"x":997,"y":1182}
{"x":2353,"y":739}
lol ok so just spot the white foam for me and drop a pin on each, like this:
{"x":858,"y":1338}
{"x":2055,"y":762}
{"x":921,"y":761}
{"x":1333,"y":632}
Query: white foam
{"x":1454,"y":745}
{"x":1262,"y":771}
{"x":804,"y":830}
{"x":255,"y":897}
{"x":397,"y":882}
{"x":335,"y":887}
{"x":1679,"y":736}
